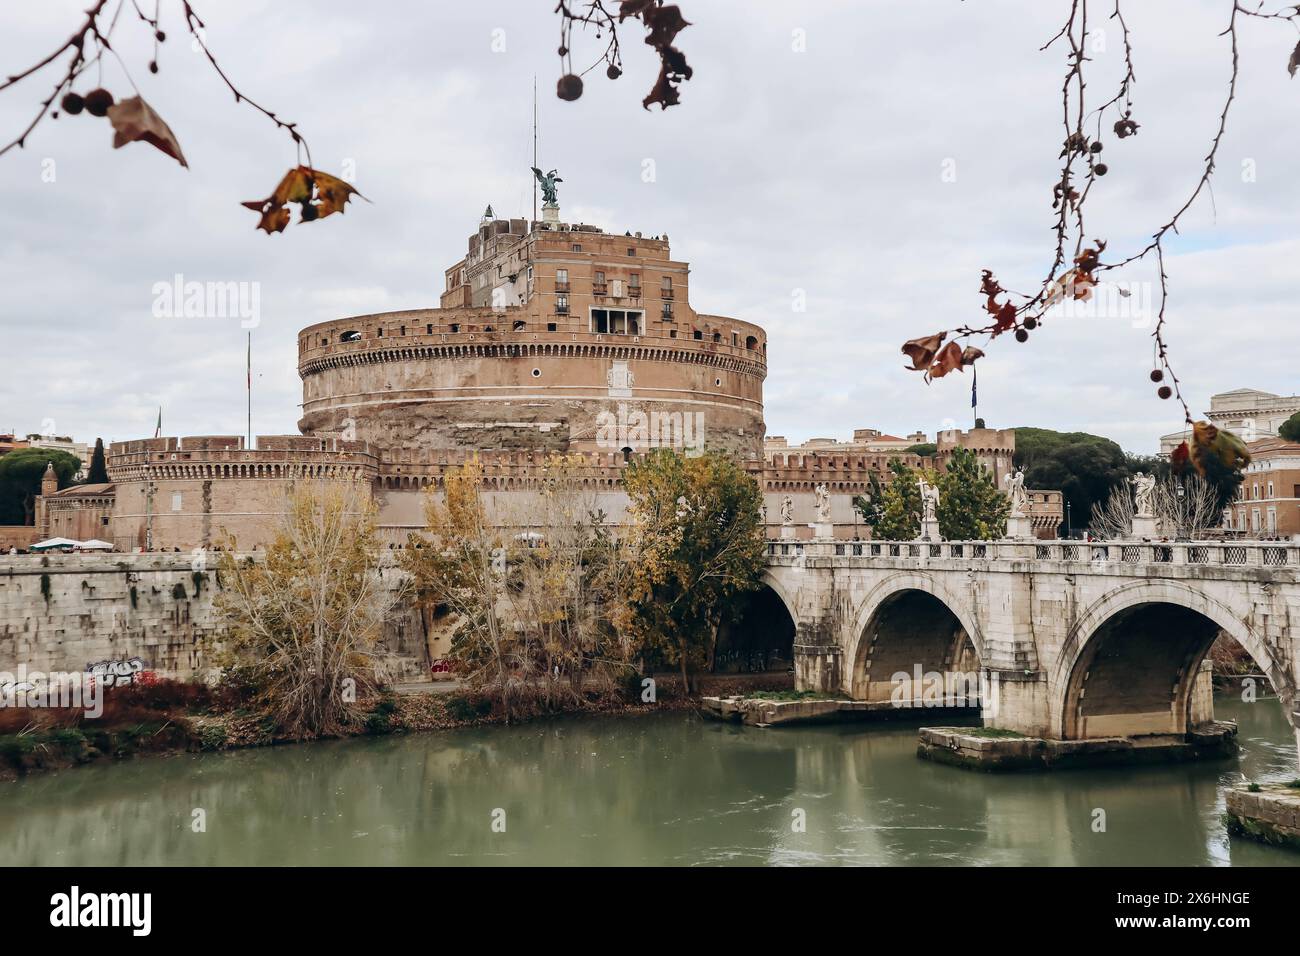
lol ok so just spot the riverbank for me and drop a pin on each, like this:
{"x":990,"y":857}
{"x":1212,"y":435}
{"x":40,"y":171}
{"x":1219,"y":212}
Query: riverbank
{"x":168,"y":718}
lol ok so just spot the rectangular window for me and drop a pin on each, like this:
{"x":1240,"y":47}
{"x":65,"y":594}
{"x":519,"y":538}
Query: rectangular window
{"x":562,"y":304}
{"x":634,"y":280}
{"x":617,"y":321}
{"x":631,"y":250}
{"x":176,"y":502}
{"x":562,"y":278}
{"x":1270,"y":489}
{"x":668,"y":310}
{"x":666,"y":290}
{"x":576,"y":248}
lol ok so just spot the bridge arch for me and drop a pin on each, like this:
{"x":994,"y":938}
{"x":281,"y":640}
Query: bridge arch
{"x":910,"y":620}
{"x":778,"y":586}
{"x":1129,"y":663}
{"x":762,"y":637}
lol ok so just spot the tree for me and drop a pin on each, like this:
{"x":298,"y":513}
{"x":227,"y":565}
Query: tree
{"x":571,"y":579}
{"x":871,"y":505}
{"x":696,"y":546}
{"x":98,"y":473}
{"x":970,"y":505}
{"x":900,"y":507}
{"x":302,"y":621}
{"x":461,"y":562}
{"x":925,"y":449}
{"x":21,"y":471}
{"x":1084,"y":467}
{"x":1290,"y":429}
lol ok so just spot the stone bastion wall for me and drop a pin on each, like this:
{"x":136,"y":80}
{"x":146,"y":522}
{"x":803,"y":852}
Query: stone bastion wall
{"x":140,"y":612}
{"x":195,"y":491}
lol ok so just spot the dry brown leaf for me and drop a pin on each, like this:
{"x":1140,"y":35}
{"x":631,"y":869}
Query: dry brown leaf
{"x":921,"y":351}
{"x":946,"y":361}
{"x":134,"y":120}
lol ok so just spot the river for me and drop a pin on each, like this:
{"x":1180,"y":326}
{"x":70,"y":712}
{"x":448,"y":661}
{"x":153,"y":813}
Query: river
{"x":665,"y":789}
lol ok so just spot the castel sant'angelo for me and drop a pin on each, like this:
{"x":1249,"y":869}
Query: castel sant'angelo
{"x":549,"y":337}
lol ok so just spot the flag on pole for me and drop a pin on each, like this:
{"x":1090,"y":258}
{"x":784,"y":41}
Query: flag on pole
{"x":157,"y":431}
{"x":974,"y":375}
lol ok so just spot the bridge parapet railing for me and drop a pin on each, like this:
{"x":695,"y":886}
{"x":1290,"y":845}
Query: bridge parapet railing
{"x":1254,"y":554}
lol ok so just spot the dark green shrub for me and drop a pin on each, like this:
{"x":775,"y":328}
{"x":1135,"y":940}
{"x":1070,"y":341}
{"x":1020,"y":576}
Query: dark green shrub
{"x":465,"y":708}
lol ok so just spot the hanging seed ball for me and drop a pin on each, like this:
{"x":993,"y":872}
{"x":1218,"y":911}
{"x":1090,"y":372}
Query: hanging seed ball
{"x":1164,"y":391}
{"x":563,"y":50}
{"x":1096,"y":147}
{"x":1031,"y":323}
{"x":98,"y":101}
{"x":569,"y":87}
{"x":72,"y":103}
{"x":1022,"y":335}
{"x":153,"y":66}
{"x":160,"y":36}
{"x":1156,"y":375}
{"x":1101,"y":169}
{"x":613,"y":72}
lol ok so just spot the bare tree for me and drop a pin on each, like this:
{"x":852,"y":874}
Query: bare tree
{"x":568,"y":585}
{"x":1183,"y":508}
{"x":1112,"y":517}
{"x":303,"y":620}
{"x":1186,"y":508}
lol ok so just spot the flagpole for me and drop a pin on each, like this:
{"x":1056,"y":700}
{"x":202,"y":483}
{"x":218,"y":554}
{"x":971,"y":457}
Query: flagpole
{"x":534,"y":146}
{"x":250,"y":389}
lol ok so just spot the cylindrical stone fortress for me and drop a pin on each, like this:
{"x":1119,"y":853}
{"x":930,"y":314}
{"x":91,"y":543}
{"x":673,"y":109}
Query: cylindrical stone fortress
{"x":563,"y":338}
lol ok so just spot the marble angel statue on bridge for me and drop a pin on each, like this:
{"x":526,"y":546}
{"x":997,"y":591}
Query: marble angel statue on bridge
{"x":823,"y":503}
{"x":1144,"y":487}
{"x":929,"y":499}
{"x":1016,"y":492}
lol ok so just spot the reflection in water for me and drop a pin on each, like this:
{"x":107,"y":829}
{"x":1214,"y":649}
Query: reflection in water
{"x":654,"y":790}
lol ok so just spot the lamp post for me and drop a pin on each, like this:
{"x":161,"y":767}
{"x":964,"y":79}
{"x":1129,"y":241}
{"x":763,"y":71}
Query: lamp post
{"x":1069,"y":525}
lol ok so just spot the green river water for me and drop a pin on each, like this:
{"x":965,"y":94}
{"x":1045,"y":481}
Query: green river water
{"x":666,"y":789}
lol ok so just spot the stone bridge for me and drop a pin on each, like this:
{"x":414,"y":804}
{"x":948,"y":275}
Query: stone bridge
{"x":1081,"y":640}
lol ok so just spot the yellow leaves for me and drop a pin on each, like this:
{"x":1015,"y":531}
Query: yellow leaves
{"x":318,"y":195}
{"x":135,"y":121}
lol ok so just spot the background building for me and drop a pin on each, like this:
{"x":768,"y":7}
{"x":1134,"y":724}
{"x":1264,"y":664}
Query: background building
{"x":1247,"y":412}
{"x":1268,"y":501}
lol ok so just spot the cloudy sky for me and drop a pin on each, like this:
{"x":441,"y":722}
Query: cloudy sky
{"x":877,"y":166}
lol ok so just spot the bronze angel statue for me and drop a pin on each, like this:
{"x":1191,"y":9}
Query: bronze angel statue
{"x":548,"y":182}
